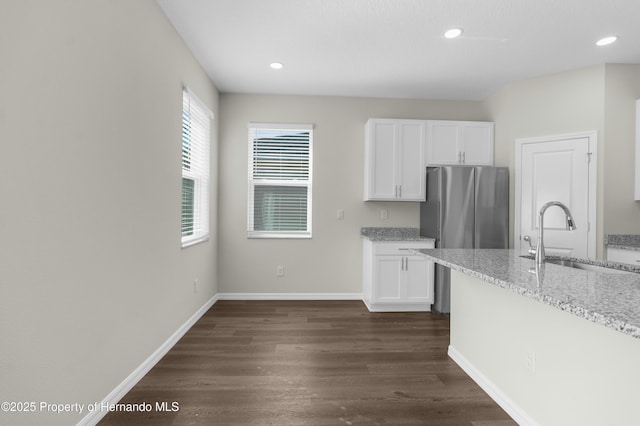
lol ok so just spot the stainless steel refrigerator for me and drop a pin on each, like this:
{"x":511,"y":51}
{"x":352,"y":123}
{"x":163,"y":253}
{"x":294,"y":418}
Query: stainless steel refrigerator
{"x":466,"y":207}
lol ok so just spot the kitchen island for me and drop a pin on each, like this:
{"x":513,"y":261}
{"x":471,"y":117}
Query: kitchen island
{"x":552,"y":345}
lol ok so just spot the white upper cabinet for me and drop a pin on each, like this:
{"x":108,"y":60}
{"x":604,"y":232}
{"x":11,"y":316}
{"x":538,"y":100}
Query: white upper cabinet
{"x":395,"y":160}
{"x":460,"y":142}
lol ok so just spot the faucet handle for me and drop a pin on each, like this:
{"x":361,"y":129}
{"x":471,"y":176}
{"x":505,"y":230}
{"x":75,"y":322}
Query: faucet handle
{"x":532,"y":249}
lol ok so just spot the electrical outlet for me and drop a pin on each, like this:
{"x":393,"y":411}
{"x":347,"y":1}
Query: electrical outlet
{"x":280,"y":271}
{"x":195,"y":286}
{"x":530,"y":361}
{"x":340,"y":214}
{"x":384,"y":214}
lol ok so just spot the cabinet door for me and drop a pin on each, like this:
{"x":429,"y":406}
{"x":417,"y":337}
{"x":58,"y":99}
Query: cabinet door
{"x":442,"y":143}
{"x":381,"y":159}
{"x":419,"y":279}
{"x":476,"y":143}
{"x":630,"y":257}
{"x":411,"y":168}
{"x":387,"y":277}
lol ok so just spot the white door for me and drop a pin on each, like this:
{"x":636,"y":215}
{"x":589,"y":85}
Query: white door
{"x":560,"y":168}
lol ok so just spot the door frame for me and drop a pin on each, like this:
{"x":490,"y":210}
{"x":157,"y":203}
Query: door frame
{"x":592,"y":136}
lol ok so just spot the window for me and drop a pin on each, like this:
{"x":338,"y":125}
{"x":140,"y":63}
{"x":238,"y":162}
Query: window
{"x":280,"y":180}
{"x":196,"y":134}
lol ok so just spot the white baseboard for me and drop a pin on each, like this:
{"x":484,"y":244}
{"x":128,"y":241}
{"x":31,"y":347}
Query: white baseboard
{"x":121,"y":390}
{"x":398,"y":307}
{"x":507,"y":404}
{"x":289,"y":296}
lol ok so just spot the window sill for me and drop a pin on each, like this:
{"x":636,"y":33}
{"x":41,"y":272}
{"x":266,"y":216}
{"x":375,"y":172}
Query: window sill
{"x":278,"y":235}
{"x":193,"y":241}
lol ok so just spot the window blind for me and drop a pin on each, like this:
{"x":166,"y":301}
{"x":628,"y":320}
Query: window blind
{"x":280,"y":171}
{"x":196,"y":134}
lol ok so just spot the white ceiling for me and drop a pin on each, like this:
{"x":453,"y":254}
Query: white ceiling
{"x":395,"y":48}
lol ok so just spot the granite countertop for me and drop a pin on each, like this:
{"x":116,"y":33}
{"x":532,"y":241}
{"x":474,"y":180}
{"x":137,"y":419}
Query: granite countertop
{"x":610,"y":299}
{"x":392,"y":234}
{"x":624,"y":242}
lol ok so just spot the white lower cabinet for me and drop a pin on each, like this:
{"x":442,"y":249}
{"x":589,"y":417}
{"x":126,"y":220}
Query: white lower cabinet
{"x":632,"y":257}
{"x":394,"y":279}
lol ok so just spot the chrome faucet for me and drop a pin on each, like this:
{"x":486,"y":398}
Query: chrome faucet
{"x":570,"y":226}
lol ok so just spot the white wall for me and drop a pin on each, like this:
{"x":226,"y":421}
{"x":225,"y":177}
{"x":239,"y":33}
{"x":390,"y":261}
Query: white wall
{"x":561,"y":103}
{"x":92,"y":276}
{"x":330,"y":262}
{"x":553,"y":367}
{"x":622,"y":88}
{"x":600,"y":98}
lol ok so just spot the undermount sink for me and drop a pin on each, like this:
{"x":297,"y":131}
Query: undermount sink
{"x":581,"y":265}
{"x":586,"y":266}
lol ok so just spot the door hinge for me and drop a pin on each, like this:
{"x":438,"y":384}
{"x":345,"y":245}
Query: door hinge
{"x":589,"y":157}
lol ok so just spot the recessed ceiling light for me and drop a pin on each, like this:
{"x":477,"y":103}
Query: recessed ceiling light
{"x":606,"y":40}
{"x":453,"y":33}
{"x":276,"y":65}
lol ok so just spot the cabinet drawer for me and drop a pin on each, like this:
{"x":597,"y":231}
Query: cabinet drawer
{"x":400,"y":248}
{"x":631,"y":257}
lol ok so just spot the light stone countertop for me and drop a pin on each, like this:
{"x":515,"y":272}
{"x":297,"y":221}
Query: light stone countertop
{"x":392,"y":234}
{"x":624,"y":242}
{"x":610,"y":299}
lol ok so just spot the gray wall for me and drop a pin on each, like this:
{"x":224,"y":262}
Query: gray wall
{"x":92,"y":277}
{"x":330,"y":262}
{"x":551,"y":105}
{"x":596,"y":98}
{"x":621,"y":212}
{"x":600,"y":98}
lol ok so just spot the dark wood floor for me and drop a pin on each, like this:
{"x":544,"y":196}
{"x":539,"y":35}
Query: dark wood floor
{"x":311,"y":363}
